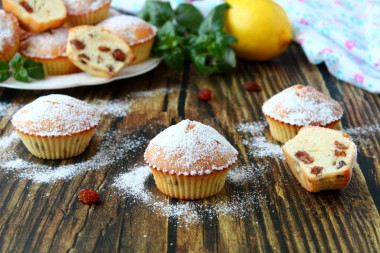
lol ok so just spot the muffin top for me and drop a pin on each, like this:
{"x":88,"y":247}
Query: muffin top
{"x":303,"y":106}
{"x":47,"y":45}
{"x":133,"y":29}
{"x":77,"y":7}
{"x":190,"y":148}
{"x":55,"y":115}
{"x":9,"y":30}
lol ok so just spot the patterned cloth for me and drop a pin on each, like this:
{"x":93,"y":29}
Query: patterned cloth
{"x":344,"y":34}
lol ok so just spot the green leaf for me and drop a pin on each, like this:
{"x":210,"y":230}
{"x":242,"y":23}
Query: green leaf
{"x":214,"y":20}
{"x":157,"y":13}
{"x":188,"y":16}
{"x":166,"y":38}
{"x":199,"y":60}
{"x":174,"y":58}
{"x":34,"y":69}
{"x":21,"y":75}
{"x":17,"y":61}
{"x":4,"y":71}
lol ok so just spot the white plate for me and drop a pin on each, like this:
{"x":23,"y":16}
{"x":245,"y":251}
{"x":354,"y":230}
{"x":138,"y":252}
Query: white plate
{"x":80,"y":79}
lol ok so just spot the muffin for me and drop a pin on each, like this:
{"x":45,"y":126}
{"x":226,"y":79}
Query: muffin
{"x":37,"y":15}
{"x":56,"y":126}
{"x":98,"y":51}
{"x":136,"y":32}
{"x":9,"y":36}
{"x":49,"y":48}
{"x":190,"y":160}
{"x":86,"y":12}
{"x":299,"y":106}
{"x":321,"y":158}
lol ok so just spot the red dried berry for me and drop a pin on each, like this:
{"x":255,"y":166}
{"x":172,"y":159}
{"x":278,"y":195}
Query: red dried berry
{"x":340,"y":145}
{"x":204,"y":94}
{"x":87,"y":196}
{"x":304,"y":157}
{"x":252,"y":86}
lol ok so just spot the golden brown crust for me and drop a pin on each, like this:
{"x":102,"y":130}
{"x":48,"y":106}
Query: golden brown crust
{"x":28,"y":20}
{"x":89,"y":17}
{"x":10,"y":49}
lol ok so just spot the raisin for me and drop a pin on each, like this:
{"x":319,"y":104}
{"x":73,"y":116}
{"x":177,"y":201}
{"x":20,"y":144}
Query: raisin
{"x":104,"y":49}
{"x":110,"y":68}
{"x":204,"y":94}
{"x":26,"y":6}
{"x":339,"y":153}
{"x":341,"y":164}
{"x":316,"y":170}
{"x":340,"y":145}
{"x":84,"y":56}
{"x":118,"y":55}
{"x":304,"y":157}
{"x":78,"y":44}
{"x":252,"y":86}
{"x":87,"y":196}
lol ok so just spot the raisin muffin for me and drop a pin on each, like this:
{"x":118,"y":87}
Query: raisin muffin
{"x":136,"y":32}
{"x":37,"y":15}
{"x":49,"y":48}
{"x":86,"y":12}
{"x":56,"y":126}
{"x":98,"y":51}
{"x":297,"y":106}
{"x":190,"y":160}
{"x":321,"y":158}
{"x":9,"y":36}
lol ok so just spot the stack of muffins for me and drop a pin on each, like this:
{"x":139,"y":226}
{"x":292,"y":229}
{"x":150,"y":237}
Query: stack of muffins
{"x":61,"y":35}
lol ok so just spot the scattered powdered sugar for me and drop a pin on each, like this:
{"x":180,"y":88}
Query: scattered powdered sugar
{"x":120,"y":107}
{"x":75,"y":7}
{"x":56,"y":115}
{"x":135,"y":183}
{"x":110,"y":150}
{"x":192,"y":148}
{"x":257,"y":142}
{"x":6,"y":141}
{"x":303,"y":106}
{"x":46,"y":45}
{"x":357,"y":133}
{"x":6,"y":29}
{"x":133,"y":29}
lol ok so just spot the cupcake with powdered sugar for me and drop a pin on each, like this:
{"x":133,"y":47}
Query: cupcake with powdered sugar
{"x":298,"y":106}
{"x":190,"y":160}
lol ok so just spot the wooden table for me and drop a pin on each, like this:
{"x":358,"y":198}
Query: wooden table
{"x":275,"y":213}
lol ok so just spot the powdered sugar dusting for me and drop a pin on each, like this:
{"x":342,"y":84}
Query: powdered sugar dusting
{"x":191,"y":148}
{"x":109,"y":151}
{"x":136,"y":184}
{"x":131,"y":28}
{"x":46,"y":45}
{"x":303,"y":106}
{"x":76,"y":7}
{"x":55,"y":115}
{"x":6,"y":29}
{"x":257,"y":142}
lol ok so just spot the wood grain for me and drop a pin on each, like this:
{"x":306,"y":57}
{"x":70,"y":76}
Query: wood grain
{"x":278,"y":214}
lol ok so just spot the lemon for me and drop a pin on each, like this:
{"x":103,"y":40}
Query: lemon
{"x":261,"y":26}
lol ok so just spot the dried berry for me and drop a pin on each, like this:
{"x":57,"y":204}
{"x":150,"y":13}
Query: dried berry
{"x":316,"y":170}
{"x":118,"y":55}
{"x":26,"y":6}
{"x":340,"y":165}
{"x":104,"y":49}
{"x":339,"y":153}
{"x":110,"y":68}
{"x":340,"y":145}
{"x":304,"y":157}
{"x":252,"y":86}
{"x":84,"y":56}
{"x":204,"y":94}
{"x":78,"y":44}
{"x":87,"y":196}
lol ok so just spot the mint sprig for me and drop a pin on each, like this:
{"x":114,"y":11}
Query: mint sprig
{"x":21,"y":69}
{"x":184,"y":34}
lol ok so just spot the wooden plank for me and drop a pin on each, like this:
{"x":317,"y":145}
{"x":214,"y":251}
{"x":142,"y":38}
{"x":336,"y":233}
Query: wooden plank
{"x":265,"y":209}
